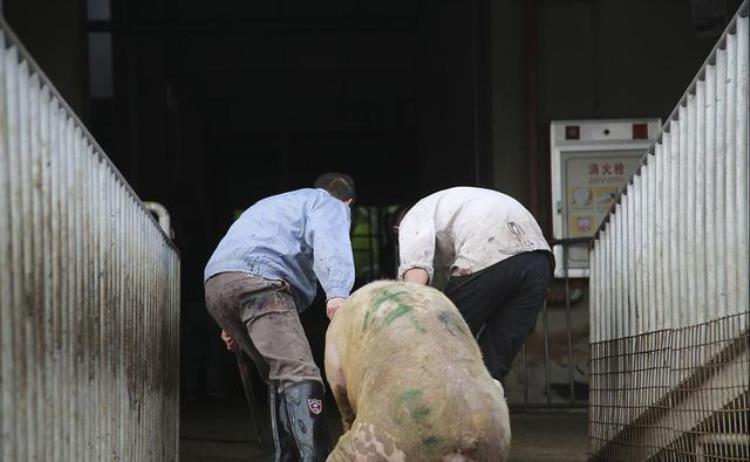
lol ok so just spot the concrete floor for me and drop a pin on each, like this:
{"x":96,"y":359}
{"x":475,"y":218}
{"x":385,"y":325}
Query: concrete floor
{"x":221,"y":431}
{"x":549,"y":436}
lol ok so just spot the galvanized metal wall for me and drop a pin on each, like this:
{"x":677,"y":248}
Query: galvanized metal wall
{"x":670,"y":367}
{"x":89,"y":290}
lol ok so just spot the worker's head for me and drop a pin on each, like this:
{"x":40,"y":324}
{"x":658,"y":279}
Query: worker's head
{"x":338,"y":185}
{"x":397,"y":216}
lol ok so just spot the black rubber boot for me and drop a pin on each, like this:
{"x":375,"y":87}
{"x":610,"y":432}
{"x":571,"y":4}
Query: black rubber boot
{"x":304,"y":406}
{"x":283,"y":446}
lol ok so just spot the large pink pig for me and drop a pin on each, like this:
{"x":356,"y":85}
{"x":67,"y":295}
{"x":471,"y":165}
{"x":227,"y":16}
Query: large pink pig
{"x":409,"y":381}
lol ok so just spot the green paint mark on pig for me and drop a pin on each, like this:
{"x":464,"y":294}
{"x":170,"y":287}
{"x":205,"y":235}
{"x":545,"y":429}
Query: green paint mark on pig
{"x":410,"y":394}
{"x":397,"y":313}
{"x":431,"y":441}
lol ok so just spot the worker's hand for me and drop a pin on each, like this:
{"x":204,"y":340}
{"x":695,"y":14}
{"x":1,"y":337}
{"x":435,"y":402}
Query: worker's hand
{"x":229,"y":341}
{"x":333,"y":305}
{"x":417,"y":276}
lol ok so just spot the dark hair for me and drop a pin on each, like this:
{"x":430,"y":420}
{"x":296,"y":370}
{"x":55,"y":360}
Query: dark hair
{"x":338,"y":185}
{"x":398,"y":215}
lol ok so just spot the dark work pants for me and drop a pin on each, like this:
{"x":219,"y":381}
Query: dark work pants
{"x":505,"y":298}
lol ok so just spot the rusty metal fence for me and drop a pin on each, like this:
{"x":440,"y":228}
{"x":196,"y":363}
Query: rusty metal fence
{"x":89,"y":290}
{"x":670,"y":353}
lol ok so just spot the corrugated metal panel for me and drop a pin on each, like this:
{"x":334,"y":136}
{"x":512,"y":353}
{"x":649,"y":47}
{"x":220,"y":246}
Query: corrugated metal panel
{"x":670,"y":368}
{"x":89,"y":290}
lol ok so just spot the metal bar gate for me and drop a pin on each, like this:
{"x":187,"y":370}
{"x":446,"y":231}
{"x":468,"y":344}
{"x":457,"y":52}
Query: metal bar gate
{"x":670,"y":358}
{"x":89,"y":290}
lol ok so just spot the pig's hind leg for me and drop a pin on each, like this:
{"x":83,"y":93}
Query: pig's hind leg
{"x":364,"y":442}
{"x":343,"y":451}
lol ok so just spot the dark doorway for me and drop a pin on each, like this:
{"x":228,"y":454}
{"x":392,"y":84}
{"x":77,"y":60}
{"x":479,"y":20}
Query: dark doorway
{"x":210,"y":107}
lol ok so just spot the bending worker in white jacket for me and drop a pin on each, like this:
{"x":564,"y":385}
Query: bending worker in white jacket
{"x":495,"y":258}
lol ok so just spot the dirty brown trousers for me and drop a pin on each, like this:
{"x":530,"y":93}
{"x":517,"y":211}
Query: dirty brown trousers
{"x":260,"y":314}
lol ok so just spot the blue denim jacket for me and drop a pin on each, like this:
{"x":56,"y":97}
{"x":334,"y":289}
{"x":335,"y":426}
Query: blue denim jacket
{"x":295,"y":237}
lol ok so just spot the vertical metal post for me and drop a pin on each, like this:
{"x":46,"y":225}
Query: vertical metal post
{"x":568,"y":324}
{"x":547,"y":387}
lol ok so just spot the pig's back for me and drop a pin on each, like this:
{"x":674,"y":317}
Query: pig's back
{"x":419,"y":375}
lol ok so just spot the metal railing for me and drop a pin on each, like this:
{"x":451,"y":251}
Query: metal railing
{"x":563,"y":376}
{"x":89,"y":290}
{"x":670,"y":360}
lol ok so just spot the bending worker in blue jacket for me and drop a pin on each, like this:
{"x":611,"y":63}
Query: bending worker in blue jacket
{"x":262,"y":273}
